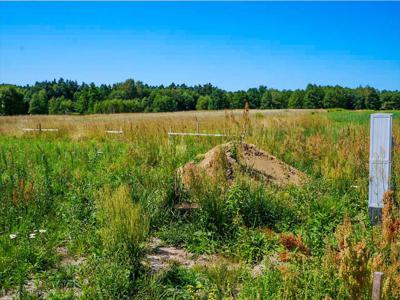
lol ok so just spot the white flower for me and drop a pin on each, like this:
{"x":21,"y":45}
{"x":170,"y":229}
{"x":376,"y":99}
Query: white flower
{"x":42,"y":230}
{"x":13,"y":236}
{"x":32,"y":235}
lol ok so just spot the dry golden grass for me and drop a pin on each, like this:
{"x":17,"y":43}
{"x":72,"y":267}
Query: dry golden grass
{"x":388,"y":240}
{"x":78,"y":127}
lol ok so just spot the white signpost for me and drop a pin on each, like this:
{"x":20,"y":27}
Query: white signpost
{"x":380,"y":163}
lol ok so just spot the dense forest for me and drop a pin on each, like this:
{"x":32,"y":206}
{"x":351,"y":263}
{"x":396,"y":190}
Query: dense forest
{"x":66,"y":97}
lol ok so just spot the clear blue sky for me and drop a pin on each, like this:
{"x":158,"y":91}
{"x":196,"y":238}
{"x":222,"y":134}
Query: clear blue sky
{"x":232,"y":45}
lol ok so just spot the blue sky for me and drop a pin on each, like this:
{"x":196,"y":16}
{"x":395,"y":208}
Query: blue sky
{"x":233,"y":45}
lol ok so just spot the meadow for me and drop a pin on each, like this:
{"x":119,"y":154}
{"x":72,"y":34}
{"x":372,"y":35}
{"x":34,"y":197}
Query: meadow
{"x":79,"y":207}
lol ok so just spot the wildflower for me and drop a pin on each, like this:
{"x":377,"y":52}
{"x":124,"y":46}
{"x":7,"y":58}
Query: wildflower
{"x":13,"y":236}
{"x":32,"y":235}
{"x":42,"y":230}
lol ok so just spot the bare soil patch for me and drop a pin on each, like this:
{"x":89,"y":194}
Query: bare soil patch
{"x":36,"y":287}
{"x":161,"y":257}
{"x":67,"y":260}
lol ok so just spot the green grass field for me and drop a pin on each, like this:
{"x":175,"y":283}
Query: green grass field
{"x":78,"y":208}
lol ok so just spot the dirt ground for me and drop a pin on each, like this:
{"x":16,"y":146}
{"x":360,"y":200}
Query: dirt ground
{"x":162,"y":256}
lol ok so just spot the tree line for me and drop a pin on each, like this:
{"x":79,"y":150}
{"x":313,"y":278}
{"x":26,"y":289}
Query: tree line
{"x":67,"y":96}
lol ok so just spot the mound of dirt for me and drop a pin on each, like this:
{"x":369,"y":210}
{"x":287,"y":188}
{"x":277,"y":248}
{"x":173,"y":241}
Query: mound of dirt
{"x":228,"y":161}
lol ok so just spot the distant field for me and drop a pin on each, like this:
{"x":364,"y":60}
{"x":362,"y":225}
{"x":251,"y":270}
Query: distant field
{"x":85,"y":123}
{"x":90,"y":215}
{"x":360,"y":117}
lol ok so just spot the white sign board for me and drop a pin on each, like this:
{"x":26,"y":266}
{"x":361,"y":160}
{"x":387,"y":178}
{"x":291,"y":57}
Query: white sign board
{"x":380,"y":158}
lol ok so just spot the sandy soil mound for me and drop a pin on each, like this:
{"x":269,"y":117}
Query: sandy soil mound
{"x":230,"y":160}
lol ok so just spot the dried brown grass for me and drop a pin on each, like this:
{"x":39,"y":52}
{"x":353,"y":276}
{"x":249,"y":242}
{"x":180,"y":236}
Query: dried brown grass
{"x":388,"y":243}
{"x":294,"y":243}
{"x":75,"y":126}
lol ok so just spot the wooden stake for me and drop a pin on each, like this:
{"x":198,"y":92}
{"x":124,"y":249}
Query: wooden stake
{"x":377,"y":286}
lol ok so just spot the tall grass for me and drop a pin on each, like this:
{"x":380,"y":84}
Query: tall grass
{"x":122,"y":222}
{"x":102,"y":196}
